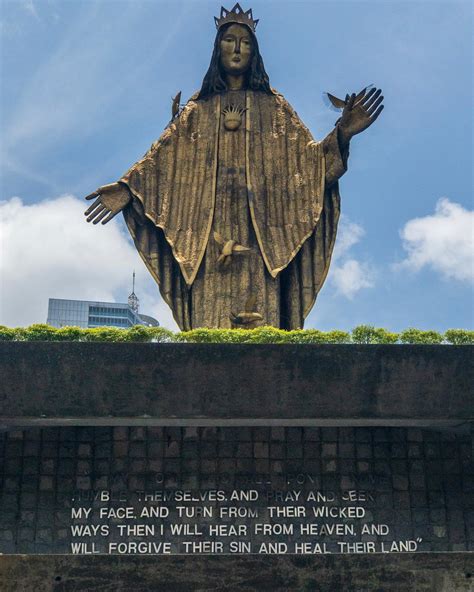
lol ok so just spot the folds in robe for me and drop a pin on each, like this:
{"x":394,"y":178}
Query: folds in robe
{"x":294,"y":217}
{"x":285,"y":176}
{"x":175,"y":181}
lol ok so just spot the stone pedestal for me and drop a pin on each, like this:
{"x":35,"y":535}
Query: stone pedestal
{"x":347,"y":467}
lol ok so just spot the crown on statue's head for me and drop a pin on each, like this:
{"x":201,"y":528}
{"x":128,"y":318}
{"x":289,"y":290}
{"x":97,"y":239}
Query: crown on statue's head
{"x":236,"y":15}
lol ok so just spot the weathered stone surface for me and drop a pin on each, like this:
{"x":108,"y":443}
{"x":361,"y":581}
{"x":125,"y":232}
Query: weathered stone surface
{"x":435,"y":572}
{"x":428,"y":499}
{"x":80,"y":383}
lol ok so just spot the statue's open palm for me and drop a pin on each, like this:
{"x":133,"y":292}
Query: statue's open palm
{"x":111,"y":199}
{"x":359,"y":114}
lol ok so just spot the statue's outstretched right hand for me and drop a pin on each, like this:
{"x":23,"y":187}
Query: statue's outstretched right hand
{"x":111,"y":199}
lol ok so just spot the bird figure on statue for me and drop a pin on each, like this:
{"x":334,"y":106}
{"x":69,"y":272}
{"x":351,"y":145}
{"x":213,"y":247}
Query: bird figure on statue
{"x":175,"y":106}
{"x":229,"y":248}
{"x":248,"y":317}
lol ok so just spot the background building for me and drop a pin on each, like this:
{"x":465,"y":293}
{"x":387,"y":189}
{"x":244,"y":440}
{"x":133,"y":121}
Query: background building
{"x":84,"y":313}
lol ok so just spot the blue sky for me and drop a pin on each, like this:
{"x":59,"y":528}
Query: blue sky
{"x":88,"y":89}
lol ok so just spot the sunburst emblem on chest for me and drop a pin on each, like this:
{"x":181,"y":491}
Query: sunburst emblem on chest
{"x":233,"y":117}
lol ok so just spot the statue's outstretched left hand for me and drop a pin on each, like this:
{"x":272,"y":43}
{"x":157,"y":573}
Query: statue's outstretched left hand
{"x":110,"y":200}
{"x":358,"y":116}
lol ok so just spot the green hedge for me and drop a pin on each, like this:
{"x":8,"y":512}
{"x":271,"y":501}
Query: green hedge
{"x":362,"y":334}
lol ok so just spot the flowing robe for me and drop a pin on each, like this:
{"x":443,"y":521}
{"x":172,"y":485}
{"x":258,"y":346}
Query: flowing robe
{"x":266,"y":185}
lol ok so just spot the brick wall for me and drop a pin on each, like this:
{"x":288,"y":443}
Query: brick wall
{"x":420,"y":482}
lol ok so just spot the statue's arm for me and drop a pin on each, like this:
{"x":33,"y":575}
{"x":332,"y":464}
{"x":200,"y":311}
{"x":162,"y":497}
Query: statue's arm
{"x":116,"y":197}
{"x":135,"y":206}
{"x":336,"y":154}
{"x":146,"y":168}
{"x":121,"y":195}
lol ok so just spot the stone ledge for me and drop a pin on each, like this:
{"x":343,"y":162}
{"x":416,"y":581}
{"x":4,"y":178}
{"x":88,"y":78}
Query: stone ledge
{"x":211,"y":384}
{"x":423,"y":572}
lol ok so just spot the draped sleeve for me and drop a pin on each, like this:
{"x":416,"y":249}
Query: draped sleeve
{"x":174,"y":183}
{"x":285,"y":176}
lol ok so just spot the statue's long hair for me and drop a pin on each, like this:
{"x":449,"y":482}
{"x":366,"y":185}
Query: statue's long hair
{"x":214,"y":80}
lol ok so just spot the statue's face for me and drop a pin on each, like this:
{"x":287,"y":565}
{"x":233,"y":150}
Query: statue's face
{"x":236,"y":49}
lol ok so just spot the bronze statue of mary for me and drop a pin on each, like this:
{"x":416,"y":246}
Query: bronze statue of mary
{"x":234,"y":209}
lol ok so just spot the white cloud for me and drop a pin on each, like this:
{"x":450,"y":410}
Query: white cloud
{"x":352,"y":276}
{"x":348,"y":235}
{"x":443,"y":241}
{"x":49,"y":251}
{"x":348,"y":275}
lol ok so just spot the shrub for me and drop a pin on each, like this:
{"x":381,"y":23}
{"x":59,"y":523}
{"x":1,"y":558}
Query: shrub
{"x":161,"y":335}
{"x":137,"y":333}
{"x":214,"y":336}
{"x":7,"y":333}
{"x":370,"y":334}
{"x":336,"y":336}
{"x":459,"y":337}
{"x":40,"y":332}
{"x":71,"y":334}
{"x":418,"y":336}
{"x":265,"y":335}
{"x":363,"y":334}
{"x":105,"y":334}
{"x":262,"y":335}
